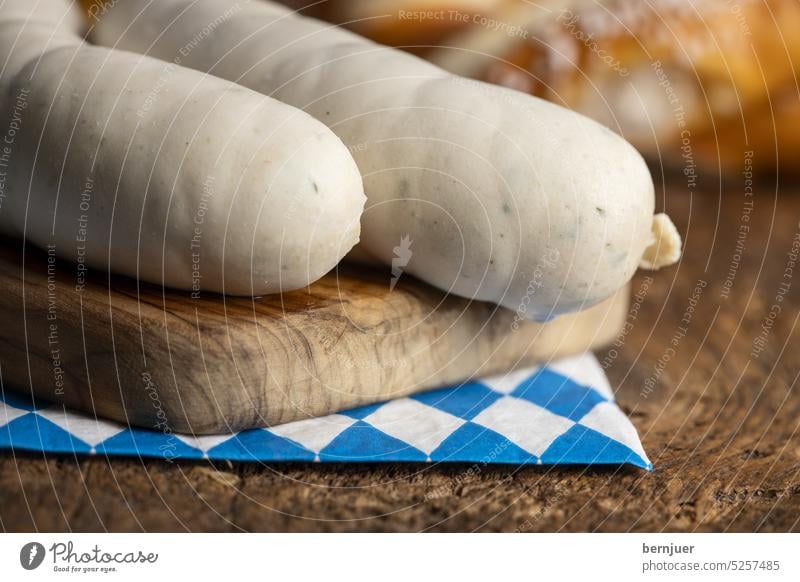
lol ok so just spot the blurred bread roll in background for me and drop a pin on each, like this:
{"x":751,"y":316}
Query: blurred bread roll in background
{"x":416,"y":25}
{"x":705,"y":86}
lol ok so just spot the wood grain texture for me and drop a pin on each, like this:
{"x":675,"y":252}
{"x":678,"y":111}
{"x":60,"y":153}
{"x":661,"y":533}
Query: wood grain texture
{"x":720,"y":425}
{"x":211,"y":364}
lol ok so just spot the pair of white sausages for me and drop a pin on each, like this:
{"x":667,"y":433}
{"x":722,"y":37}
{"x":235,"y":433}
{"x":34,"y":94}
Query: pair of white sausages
{"x":481,"y":191}
{"x":119,"y":162}
{"x":504,"y":197}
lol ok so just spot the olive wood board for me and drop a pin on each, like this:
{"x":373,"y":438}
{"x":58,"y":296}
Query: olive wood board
{"x":157,"y":358}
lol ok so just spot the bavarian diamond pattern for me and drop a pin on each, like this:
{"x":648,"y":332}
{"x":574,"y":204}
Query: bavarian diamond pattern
{"x":9,"y":413}
{"x":527,"y":425}
{"x":421,"y":426}
{"x":92,"y":431}
{"x":563,"y":413}
{"x":315,"y":433}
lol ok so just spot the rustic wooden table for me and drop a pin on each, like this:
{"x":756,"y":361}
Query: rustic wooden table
{"x":707,"y":369}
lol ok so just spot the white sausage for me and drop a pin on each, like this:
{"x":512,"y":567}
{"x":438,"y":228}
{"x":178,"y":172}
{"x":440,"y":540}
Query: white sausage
{"x":504,"y":197}
{"x":161,"y":172}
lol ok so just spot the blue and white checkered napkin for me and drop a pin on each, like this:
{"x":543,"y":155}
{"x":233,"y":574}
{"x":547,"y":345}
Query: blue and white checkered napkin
{"x":560,"y":414}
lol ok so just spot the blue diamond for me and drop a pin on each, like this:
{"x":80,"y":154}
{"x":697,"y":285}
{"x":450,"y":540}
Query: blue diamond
{"x":466,"y":401}
{"x":148,"y":443}
{"x":584,"y":446}
{"x":473,"y":443}
{"x":558,"y":394}
{"x":35,"y":433}
{"x":365,"y":443}
{"x":363,"y":411}
{"x":24,"y":401}
{"x":260,"y":445}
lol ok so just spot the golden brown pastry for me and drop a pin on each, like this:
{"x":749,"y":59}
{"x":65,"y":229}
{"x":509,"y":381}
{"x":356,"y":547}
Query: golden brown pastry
{"x":415,"y":25}
{"x":697,"y":85}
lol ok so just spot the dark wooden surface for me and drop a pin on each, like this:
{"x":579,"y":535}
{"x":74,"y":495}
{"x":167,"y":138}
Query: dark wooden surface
{"x":719,"y":423}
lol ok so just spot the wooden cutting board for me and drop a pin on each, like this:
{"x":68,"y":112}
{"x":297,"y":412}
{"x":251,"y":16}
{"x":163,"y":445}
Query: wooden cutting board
{"x":151,"y":357}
